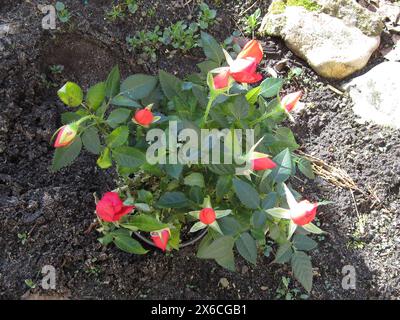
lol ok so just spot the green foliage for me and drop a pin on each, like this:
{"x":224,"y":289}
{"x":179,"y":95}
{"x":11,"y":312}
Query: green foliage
{"x":63,"y":13}
{"x":206,"y":16}
{"x":168,"y":195}
{"x":252,"y":22}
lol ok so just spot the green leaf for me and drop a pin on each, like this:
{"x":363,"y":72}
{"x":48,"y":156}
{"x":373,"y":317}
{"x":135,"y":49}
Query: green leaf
{"x":302,"y":269}
{"x":96,"y":95}
{"x":259,"y":219}
{"x":279,"y":213}
{"x":283,"y":169}
{"x":91,"y":140}
{"x":246,"y":193}
{"x":173,"y":170}
{"x":117,"y":137}
{"x":269,"y":201}
{"x":284,"y":253}
{"x":138,"y":86}
{"x":221,"y":250}
{"x":66,"y":155}
{"x":173,"y":200}
{"x":146,"y":223}
{"x":104,"y":161}
{"x":270,"y":87}
{"x":207,"y":66}
{"x":313,"y":228}
{"x":239,"y":107}
{"x":68,"y":117}
{"x":211,"y":48}
{"x":123,"y":101}
{"x":128,"y":244}
{"x":230,"y":226}
{"x":170,"y":85}
{"x":118,"y":116}
{"x":305,"y":168}
{"x":128,"y":157}
{"x":252,"y":95}
{"x":113,"y":83}
{"x":247,"y":247}
{"x":224,"y":184}
{"x":304,"y":243}
{"x":194,"y":179}
{"x":71,"y":94}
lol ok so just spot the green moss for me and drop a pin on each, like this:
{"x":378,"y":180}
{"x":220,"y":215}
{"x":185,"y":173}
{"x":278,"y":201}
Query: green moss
{"x":307,"y":4}
{"x":280,"y":5}
{"x":277,"y":7}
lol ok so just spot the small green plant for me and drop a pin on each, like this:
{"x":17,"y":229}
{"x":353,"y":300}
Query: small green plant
{"x":284,"y":292}
{"x":132,"y":6}
{"x":62,"y":12}
{"x":294,"y":73}
{"x":181,"y":36}
{"x":23,"y":237}
{"x":251,"y":22}
{"x":56,"y":68}
{"x":30,"y":283}
{"x":206,"y":16}
{"x":115,"y":13}
{"x":146,"y":43}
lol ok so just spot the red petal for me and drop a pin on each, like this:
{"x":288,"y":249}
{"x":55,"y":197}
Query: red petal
{"x":109,"y":207}
{"x":160,"y":239}
{"x":247,"y":65}
{"x":289,"y":101}
{"x":304,"y":212}
{"x":207,"y":216}
{"x":124,"y":211}
{"x":252,"y":49}
{"x":244,"y":77}
{"x":144,"y":117}
{"x":221,"y":80}
{"x":262,"y":164}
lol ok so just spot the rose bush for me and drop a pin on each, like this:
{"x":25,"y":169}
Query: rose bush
{"x":242,"y":208}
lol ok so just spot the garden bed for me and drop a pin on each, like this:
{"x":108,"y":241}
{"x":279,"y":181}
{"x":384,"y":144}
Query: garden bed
{"x":46,"y":218}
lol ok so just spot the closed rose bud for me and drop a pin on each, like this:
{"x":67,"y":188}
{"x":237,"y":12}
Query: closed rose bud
{"x":289,"y":101}
{"x":143,"y":117}
{"x":260,"y":161}
{"x":66,"y":135}
{"x":303,"y":212}
{"x":262,"y":164}
{"x":221,"y":80}
{"x":207,"y":216}
{"x":111,"y":208}
{"x":160,"y":238}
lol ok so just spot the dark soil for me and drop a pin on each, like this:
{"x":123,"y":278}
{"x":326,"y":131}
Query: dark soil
{"x":55,"y":211}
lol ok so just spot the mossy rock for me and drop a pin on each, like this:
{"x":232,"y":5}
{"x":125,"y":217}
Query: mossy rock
{"x":347,"y":10}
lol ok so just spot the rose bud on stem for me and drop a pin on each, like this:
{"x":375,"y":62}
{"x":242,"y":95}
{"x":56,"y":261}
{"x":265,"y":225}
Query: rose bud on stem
{"x":144,"y":117}
{"x":66,"y":135}
{"x":290,"y":101}
{"x":160,"y":238}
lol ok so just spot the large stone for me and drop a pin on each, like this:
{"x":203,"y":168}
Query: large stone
{"x":331,"y":47}
{"x":353,"y":14}
{"x":376,"y":95}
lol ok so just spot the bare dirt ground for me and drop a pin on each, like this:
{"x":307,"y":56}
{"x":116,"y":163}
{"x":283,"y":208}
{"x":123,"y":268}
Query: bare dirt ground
{"x":55,"y":210}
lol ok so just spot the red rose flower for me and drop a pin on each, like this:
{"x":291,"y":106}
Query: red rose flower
{"x":243,"y":68}
{"x":207,"y":216}
{"x":66,"y":135}
{"x":303,"y":212}
{"x":111,"y":208}
{"x":143,"y":117}
{"x":160,"y":238}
